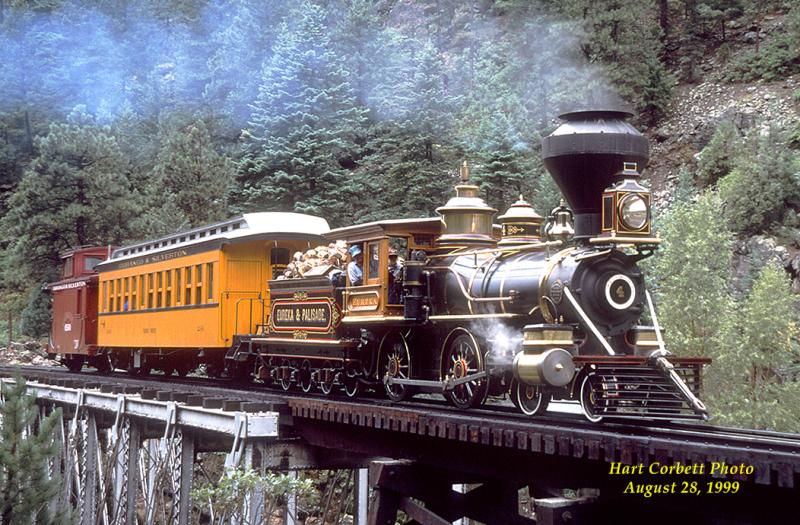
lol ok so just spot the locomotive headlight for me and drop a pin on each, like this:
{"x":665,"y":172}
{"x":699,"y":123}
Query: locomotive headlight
{"x":633,"y":211}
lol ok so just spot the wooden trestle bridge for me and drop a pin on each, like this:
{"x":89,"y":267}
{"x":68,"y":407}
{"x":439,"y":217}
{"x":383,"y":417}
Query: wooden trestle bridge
{"x":128,"y":440}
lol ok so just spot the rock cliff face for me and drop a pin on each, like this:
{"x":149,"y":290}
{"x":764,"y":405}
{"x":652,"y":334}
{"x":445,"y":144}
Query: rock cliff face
{"x":696,"y":112}
{"x":698,"y":108}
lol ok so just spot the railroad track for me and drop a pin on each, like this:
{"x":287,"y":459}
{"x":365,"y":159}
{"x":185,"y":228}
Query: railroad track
{"x":776,"y":455}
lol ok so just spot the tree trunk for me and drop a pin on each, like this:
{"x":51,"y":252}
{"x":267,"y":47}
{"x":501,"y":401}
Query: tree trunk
{"x":663,"y":17}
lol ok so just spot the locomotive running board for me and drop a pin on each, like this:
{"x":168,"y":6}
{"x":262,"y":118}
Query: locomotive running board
{"x":436,"y":386}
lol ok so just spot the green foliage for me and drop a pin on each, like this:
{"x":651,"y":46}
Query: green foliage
{"x":35,"y":318}
{"x":624,"y":37}
{"x":692,"y":274}
{"x":754,"y":386}
{"x":775,"y":59}
{"x":25,"y":449}
{"x":685,"y":189}
{"x":76,"y":192}
{"x":301,"y":135}
{"x":719,"y":156}
{"x":228,"y":495}
{"x":763,"y":184}
{"x":190,"y":181}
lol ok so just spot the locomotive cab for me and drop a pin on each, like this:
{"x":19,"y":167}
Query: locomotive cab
{"x":378,"y":298}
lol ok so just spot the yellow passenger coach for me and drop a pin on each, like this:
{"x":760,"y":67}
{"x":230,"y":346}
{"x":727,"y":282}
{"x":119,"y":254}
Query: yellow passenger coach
{"x":179,"y":301}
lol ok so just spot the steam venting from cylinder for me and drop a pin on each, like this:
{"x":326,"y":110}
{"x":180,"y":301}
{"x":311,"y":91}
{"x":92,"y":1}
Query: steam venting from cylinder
{"x":586,"y":154}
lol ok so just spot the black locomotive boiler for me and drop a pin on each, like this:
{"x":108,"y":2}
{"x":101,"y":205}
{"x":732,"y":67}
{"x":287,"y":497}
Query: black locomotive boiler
{"x":540,"y":310}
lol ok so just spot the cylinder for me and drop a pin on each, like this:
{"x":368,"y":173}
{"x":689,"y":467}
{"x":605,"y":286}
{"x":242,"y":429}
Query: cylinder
{"x":552,"y":367}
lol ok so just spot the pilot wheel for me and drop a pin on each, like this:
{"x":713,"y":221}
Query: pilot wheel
{"x":591,"y":394}
{"x":531,"y":400}
{"x":463,"y":359}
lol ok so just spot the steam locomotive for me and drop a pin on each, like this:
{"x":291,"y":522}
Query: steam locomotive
{"x":535,"y":309}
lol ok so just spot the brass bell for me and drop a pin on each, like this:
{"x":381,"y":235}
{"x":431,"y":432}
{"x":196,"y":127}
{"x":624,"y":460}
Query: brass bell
{"x":559,"y":223}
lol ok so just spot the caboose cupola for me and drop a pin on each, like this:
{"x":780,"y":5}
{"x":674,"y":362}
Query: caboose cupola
{"x":467,"y":218}
{"x":586,"y":154}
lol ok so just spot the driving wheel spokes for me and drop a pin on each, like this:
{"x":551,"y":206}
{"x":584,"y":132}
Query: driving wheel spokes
{"x":396,"y":364}
{"x":530,"y":399}
{"x":464,"y":359}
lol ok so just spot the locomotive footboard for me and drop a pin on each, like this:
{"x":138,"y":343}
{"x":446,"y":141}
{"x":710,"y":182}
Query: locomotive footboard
{"x":637,"y":387}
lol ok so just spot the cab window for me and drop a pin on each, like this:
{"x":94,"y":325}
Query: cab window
{"x":373,"y":261}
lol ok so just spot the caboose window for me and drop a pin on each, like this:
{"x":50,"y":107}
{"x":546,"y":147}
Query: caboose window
{"x":279,"y":256}
{"x":105,"y":297}
{"x":67,"y":268}
{"x":89,"y":263}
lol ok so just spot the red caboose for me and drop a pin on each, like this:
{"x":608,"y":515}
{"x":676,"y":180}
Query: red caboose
{"x":73,"y":335}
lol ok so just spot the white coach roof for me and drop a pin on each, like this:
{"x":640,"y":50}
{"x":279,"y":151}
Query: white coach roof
{"x":248,"y":225}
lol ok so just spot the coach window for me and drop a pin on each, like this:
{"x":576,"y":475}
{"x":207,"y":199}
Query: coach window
{"x":142,"y":293}
{"x":198,"y":289}
{"x":373,"y":262}
{"x":149,"y":290}
{"x":119,"y":295}
{"x":168,"y":300}
{"x":126,"y":299}
{"x":210,"y":282}
{"x":134,"y":295}
{"x":159,"y":289}
{"x":104,"y":302}
{"x":178,"y":280}
{"x":188,"y":297}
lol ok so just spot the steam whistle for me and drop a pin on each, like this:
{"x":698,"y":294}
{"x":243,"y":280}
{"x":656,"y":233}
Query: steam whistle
{"x":559,"y":223}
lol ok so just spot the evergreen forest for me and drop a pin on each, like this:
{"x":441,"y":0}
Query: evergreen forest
{"x":122,"y":120}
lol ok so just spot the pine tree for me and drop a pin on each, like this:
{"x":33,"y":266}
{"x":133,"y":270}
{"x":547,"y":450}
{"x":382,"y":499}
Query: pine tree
{"x":190,"y":181}
{"x":240,"y":44}
{"x":718,"y":158}
{"x":412,"y":145}
{"x":75,"y":193}
{"x":302,"y":135}
{"x":762,"y":185}
{"x":623,"y":36}
{"x":25,"y":448}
